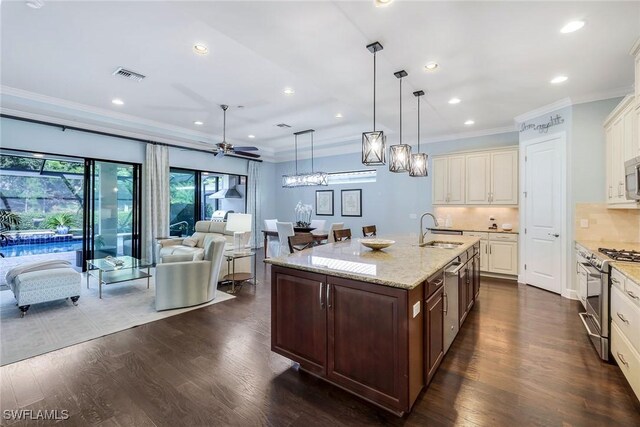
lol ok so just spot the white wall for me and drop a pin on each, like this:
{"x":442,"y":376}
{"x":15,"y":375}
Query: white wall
{"x":387,"y":203}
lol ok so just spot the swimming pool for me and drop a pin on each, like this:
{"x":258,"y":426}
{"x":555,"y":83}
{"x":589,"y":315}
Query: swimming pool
{"x":41,"y":248}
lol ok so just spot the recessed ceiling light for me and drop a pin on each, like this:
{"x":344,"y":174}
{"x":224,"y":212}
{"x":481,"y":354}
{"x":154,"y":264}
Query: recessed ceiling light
{"x":117,"y":101}
{"x":338,"y":115}
{"x":559,"y":79}
{"x":431,"y":66}
{"x":251,"y":136}
{"x":35,"y":4}
{"x":198,"y":123}
{"x":382,"y":3}
{"x":469,"y":122}
{"x":454,"y":101}
{"x":289,"y":91}
{"x":572,"y":26}
{"x":200,"y":49}
{"x":205,"y":173}
{"x":38,"y":155}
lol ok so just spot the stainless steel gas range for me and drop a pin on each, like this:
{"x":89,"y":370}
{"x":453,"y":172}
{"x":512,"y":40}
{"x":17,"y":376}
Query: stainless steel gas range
{"x":593,"y":268}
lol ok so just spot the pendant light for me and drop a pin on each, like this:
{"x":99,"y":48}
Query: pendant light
{"x":374,"y":142}
{"x":419,"y":160}
{"x":304,"y":179}
{"x":400,"y":154}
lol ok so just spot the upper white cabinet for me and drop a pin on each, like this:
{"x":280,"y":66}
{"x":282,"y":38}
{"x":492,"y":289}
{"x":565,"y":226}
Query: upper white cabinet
{"x":448,"y":180}
{"x":621,"y":128}
{"x":476,"y":178}
{"x":635,"y":52}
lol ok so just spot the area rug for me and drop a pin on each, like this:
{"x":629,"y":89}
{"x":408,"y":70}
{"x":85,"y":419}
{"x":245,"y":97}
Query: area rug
{"x":58,"y":324}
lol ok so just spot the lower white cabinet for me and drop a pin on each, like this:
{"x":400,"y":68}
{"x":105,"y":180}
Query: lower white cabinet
{"x":498,"y":252}
{"x":625,"y":327}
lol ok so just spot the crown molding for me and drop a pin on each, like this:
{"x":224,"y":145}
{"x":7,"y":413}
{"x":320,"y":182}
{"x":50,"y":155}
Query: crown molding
{"x":620,"y":92}
{"x":545,"y":109}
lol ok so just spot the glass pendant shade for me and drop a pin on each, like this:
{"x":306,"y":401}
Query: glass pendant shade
{"x":305,"y":180}
{"x":419,"y":163}
{"x":373,"y":148}
{"x":399,"y":158}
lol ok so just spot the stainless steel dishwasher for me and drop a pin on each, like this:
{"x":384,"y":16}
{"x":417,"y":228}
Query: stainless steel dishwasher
{"x":451,"y":318}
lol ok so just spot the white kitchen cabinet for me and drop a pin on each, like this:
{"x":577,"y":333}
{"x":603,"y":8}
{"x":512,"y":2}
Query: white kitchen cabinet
{"x":635,"y":52}
{"x":478,"y":187}
{"x":448,"y":180}
{"x":504,"y":178}
{"x":621,"y":144}
{"x":503,"y":254}
{"x":484,"y":255}
{"x":478,"y":178}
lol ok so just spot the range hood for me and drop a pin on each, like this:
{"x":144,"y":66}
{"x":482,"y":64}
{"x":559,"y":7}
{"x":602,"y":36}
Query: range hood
{"x":226,"y":193}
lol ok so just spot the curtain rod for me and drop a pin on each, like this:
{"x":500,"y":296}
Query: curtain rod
{"x":114,"y":135}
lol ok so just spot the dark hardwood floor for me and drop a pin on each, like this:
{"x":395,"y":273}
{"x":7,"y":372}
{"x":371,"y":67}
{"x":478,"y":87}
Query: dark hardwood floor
{"x":522,"y":358}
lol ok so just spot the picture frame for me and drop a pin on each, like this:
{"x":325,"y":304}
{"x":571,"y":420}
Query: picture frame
{"x":324,"y":202}
{"x":351,"y":202}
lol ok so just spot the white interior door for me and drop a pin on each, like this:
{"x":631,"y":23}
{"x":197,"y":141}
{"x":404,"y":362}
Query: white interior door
{"x":543,"y":214}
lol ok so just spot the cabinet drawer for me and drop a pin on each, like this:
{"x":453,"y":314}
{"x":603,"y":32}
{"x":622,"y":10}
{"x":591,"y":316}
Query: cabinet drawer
{"x":495,"y":237}
{"x":632,"y":290}
{"x":617,"y":279}
{"x":434,"y":283}
{"x":626,"y":316}
{"x":484,"y":236}
{"x":627,"y":358}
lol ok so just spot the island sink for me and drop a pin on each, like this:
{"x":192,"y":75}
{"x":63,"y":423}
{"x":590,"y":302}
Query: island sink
{"x":440,"y":244}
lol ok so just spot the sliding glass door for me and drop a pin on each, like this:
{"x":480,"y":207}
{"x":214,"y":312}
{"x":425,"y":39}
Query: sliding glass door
{"x":112,"y":216}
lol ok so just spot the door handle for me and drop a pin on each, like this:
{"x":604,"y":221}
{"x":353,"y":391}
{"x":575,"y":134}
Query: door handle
{"x":321,"y":301}
{"x":624,"y":362}
{"x":328,"y":295}
{"x":554,"y":234}
{"x":632,"y":295}
{"x":622,"y":318}
{"x":446,"y":303}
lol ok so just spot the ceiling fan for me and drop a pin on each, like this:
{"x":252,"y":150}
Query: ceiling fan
{"x":226,"y":148}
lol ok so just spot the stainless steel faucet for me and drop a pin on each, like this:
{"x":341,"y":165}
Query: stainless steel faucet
{"x":435,"y":222}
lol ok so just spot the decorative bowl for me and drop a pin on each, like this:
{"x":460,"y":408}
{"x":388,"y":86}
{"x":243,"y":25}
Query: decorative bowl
{"x":507,"y":227}
{"x":376,"y":244}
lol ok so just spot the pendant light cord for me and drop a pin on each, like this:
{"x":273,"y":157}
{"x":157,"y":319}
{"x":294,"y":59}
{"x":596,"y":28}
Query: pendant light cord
{"x":418,"y":124}
{"x":374,"y":91}
{"x":312,"y":153}
{"x":400,"y":110}
{"x":296,"y":143}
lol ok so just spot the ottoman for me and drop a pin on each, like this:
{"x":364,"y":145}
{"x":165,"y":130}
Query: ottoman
{"x":38,"y":282}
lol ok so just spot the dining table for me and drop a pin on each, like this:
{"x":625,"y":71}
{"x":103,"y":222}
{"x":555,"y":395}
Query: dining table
{"x":318,"y":236}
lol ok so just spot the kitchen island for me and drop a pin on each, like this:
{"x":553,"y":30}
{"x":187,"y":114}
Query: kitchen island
{"x":372,"y":322}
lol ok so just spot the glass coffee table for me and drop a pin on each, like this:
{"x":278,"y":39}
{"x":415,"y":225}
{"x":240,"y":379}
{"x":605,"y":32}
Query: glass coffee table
{"x":107,"y":273}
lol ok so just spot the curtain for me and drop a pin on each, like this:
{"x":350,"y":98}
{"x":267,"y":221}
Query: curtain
{"x":156,"y":198}
{"x":253,"y":202}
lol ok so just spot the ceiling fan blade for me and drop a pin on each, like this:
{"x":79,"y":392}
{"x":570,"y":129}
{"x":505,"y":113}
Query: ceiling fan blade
{"x":242,"y":153}
{"x":220,"y":153}
{"x":244,"y":148}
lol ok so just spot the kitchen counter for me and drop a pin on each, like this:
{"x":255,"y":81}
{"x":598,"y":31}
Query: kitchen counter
{"x":476,"y":230}
{"x":402,"y":265}
{"x":593,"y":245}
{"x":629,"y":269}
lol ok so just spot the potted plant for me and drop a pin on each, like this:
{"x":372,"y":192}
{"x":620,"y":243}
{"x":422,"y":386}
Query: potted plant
{"x":8,"y":219}
{"x":61,"y":222}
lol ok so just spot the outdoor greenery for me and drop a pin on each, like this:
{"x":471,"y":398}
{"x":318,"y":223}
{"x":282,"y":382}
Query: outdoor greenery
{"x":62,"y":219}
{"x":8,"y":219}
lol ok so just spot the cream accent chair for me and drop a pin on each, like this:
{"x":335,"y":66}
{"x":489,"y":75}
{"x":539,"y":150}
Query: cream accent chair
{"x":188,"y":283}
{"x":335,"y":226}
{"x":285,"y":230}
{"x":172,"y":250}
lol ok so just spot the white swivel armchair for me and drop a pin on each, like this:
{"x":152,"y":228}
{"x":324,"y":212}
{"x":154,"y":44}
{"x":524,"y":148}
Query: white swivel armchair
{"x":187,"y":283}
{"x":335,"y":226}
{"x":285,"y":229}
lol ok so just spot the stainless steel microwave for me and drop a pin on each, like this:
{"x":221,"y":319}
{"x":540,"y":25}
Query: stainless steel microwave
{"x":632,"y":178}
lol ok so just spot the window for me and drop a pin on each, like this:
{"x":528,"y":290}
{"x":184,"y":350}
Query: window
{"x":182,"y":200}
{"x":352,"y":177}
{"x":210,"y":185}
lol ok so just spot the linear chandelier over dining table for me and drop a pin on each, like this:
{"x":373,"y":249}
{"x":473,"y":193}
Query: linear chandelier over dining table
{"x":304,"y":179}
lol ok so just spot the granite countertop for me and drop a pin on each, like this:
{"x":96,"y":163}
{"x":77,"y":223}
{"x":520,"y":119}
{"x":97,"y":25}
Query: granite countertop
{"x":629,"y":269}
{"x":402,"y":265}
{"x":593,"y":245}
{"x":477,"y":230}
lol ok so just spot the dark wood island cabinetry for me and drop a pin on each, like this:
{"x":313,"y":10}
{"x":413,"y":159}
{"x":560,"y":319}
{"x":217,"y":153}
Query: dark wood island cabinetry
{"x":383,"y":343}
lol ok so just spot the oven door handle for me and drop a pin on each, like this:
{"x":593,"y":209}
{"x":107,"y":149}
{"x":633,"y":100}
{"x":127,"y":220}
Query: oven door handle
{"x":582,"y":317}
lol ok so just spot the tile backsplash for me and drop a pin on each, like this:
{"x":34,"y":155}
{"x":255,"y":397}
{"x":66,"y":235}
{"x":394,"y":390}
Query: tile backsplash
{"x":478,"y":217}
{"x":615,"y":225}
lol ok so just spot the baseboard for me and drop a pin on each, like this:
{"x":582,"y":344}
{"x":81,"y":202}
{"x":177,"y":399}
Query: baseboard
{"x":570,"y":294}
{"x":499,"y":276}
